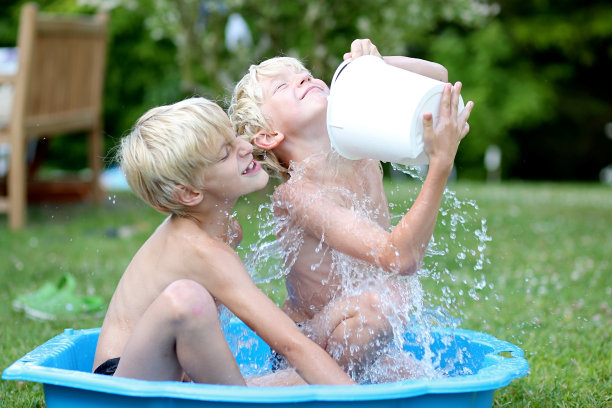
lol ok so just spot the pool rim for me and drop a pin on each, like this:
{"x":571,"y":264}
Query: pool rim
{"x":497,"y":372}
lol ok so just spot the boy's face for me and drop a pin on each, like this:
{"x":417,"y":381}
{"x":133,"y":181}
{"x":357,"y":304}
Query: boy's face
{"x":293,"y":101}
{"x":236,"y":173}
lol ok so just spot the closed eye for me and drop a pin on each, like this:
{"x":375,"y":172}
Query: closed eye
{"x":225,"y":152}
{"x":280,"y":86}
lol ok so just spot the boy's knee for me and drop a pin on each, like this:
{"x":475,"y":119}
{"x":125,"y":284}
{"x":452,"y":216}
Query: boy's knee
{"x":186,"y":299}
{"x":371,"y":311}
{"x":369,"y":303}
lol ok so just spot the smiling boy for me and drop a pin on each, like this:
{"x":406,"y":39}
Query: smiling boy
{"x":337,"y":208}
{"x":163,"y":320}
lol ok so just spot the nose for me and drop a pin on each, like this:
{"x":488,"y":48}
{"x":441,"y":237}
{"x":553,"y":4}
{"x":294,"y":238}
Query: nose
{"x":302,"y":78}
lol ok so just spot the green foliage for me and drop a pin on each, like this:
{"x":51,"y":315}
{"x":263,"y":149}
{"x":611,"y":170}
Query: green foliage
{"x":507,"y":92}
{"x":562,"y":54}
{"x":502,"y":54}
{"x":142,"y":72}
{"x":318,"y":32}
{"x":534,"y":69}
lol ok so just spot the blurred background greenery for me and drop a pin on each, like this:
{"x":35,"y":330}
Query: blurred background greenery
{"x":538,"y":71}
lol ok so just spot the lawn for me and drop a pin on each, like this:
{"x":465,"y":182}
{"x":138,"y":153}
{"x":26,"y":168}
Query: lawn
{"x":542,"y":281}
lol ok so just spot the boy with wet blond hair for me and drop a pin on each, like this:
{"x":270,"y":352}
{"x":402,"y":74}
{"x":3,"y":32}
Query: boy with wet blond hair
{"x":163,"y":319}
{"x":247,"y":116}
{"x":337,"y":209}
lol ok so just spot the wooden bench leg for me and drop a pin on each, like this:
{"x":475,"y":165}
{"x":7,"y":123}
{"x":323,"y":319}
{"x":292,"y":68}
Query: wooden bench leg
{"x":95,"y":162}
{"x":16,"y":187}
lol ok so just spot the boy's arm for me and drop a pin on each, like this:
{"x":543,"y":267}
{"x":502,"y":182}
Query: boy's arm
{"x":229,"y":282}
{"x":403,"y":249}
{"x":418,"y":66}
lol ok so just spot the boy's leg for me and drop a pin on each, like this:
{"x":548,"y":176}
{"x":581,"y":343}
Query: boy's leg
{"x":397,"y":366}
{"x":352,"y":330}
{"x":280,"y":378}
{"x":179,"y":332}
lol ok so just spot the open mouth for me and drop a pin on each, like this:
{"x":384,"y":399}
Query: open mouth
{"x":253,"y":167}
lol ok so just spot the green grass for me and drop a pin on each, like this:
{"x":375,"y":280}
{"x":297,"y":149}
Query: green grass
{"x":548,"y":279}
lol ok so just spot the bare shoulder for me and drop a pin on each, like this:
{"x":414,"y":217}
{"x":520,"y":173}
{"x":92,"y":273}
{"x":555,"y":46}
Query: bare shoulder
{"x":184,"y":250}
{"x":206,"y":247}
{"x":211,"y":262}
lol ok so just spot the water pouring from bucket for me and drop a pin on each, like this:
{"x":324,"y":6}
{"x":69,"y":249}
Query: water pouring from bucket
{"x":375,"y":111}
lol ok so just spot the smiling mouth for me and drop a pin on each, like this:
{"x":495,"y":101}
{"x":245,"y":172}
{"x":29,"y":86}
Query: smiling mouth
{"x":308,"y":90}
{"x":253,"y":167}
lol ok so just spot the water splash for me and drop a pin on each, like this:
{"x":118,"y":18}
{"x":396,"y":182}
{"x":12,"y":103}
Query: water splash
{"x":456,"y":251}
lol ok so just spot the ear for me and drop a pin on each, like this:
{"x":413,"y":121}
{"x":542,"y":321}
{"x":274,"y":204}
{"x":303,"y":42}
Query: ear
{"x":187,"y":197}
{"x":268,"y":140}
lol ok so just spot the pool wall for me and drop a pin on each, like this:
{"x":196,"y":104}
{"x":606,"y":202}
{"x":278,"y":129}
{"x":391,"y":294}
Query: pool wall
{"x":63,"y":364}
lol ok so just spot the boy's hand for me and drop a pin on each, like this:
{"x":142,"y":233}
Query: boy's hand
{"x":441,"y":143}
{"x":362,"y":47}
{"x":234,"y":232}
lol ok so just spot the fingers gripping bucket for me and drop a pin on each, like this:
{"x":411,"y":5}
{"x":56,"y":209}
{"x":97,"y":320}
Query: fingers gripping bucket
{"x":375,"y":111}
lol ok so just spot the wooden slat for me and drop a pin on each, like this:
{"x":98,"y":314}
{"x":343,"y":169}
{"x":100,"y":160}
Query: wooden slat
{"x":7,"y":79}
{"x":66,"y":122}
{"x":81,"y":25}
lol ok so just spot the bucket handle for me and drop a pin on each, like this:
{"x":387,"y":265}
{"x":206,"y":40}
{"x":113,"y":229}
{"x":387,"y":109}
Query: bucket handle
{"x":339,"y":70}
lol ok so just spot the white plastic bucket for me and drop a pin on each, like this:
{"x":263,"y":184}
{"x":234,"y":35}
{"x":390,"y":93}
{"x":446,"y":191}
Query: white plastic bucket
{"x":375,"y":111}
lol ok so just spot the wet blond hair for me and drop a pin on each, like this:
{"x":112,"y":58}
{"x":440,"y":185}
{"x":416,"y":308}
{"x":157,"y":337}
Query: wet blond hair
{"x":170,"y":146}
{"x":245,"y":108}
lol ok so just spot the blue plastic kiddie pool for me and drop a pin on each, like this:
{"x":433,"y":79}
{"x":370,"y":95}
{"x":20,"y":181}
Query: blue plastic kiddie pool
{"x":63,"y":364}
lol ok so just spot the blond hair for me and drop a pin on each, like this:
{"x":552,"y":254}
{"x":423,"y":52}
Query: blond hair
{"x":170,"y":146}
{"x":245,"y":108}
